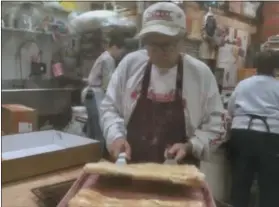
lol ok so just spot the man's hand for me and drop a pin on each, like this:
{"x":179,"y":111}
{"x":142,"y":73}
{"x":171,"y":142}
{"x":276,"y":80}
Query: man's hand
{"x":120,"y":145}
{"x":179,"y":151}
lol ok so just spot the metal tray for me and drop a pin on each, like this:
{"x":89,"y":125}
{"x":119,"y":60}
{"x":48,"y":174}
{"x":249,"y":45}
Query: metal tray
{"x":51,"y":195}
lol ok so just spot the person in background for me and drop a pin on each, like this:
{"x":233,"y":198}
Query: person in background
{"x":254,"y":141}
{"x":105,"y":64}
{"x":131,"y":45}
{"x":98,"y":79}
{"x":161,"y":102}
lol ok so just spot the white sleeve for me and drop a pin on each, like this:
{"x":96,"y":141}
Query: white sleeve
{"x":211,"y":132}
{"x":111,"y":112}
{"x":94,"y":78}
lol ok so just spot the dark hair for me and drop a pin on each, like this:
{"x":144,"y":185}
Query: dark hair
{"x":266,"y":62}
{"x":117,"y":41}
{"x":131,"y":44}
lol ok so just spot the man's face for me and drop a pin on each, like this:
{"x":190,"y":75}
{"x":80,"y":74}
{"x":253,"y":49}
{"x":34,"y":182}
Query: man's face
{"x":163,"y":50}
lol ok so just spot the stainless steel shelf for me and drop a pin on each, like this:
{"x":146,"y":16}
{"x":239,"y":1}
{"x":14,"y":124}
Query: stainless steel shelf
{"x":7,"y":29}
{"x":37,"y":4}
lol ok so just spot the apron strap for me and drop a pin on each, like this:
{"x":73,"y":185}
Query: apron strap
{"x":146,"y":80}
{"x":262,"y":118}
{"x":179,"y":79}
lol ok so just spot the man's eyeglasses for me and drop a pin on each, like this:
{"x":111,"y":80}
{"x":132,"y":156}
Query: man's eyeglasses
{"x":161,"y":45}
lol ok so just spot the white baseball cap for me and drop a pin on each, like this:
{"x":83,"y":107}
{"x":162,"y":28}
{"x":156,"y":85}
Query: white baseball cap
{"x":163,"y":17}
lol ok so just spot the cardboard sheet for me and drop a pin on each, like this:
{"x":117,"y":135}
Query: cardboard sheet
{"x":44,"y":151}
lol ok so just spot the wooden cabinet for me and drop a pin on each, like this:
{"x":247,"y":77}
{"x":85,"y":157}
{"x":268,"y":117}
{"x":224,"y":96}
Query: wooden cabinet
{"x":245,"y":73}
{"x":271,"y":20}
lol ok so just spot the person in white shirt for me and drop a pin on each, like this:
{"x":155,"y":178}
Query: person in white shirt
{"x":254,"y":141}
{"x":105,"y":64}
{"x":98,"y":79}
{"x":161,"y":102}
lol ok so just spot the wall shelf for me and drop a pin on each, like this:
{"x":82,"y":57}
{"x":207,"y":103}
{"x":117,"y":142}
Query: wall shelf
{"x":13,"y":37}
{"x":40,"y":5}
{"x":7,"y":29}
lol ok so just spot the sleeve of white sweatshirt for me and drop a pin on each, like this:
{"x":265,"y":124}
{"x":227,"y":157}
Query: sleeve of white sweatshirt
{"x":111,"y":117}
{"x":211,"y":132}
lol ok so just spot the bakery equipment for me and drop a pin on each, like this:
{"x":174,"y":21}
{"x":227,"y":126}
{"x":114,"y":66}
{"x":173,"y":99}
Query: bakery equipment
{"x":145,"y":184}
{"x":272,"y":43}
{"x":48,"y":151}
{"x":50,"y":195}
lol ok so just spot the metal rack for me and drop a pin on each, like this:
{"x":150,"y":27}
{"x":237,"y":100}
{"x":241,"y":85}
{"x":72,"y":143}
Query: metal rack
{"x":10,"y":29}
{"x":272,"y":43}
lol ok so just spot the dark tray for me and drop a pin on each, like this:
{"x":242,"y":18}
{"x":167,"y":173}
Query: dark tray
{"x":222,"y":204}
{"x":51,"y":195}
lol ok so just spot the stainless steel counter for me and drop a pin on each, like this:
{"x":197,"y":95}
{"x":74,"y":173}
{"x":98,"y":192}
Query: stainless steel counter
{"x":48,"y":96}
{"x":48,"y":101}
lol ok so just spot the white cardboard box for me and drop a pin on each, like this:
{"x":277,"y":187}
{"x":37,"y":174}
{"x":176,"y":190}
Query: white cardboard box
{"x":218,"y":175}
{"x":34,"y":153}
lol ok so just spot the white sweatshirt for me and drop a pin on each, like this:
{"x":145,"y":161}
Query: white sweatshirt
{"x":204,"y":113}
{"x":258,"y":95}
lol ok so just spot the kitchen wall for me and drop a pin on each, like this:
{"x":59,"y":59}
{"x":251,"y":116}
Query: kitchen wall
{"x":13,"y":38}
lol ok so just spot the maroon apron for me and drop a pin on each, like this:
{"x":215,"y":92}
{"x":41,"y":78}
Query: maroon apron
{"x":154,"y":126}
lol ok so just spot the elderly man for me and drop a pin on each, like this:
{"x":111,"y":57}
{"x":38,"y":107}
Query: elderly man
{"x":160,"y":101}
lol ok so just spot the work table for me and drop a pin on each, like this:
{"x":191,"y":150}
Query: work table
{"x":18,"y":194}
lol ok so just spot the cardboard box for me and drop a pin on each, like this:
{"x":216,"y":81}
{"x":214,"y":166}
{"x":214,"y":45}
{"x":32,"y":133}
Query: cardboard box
{"x":17,"y":118}
{"x":29,"y":154}
{"x":246,"y":73}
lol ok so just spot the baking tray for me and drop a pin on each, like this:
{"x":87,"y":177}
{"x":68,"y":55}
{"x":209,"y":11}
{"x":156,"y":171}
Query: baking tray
{"x":51,"y":195}
{"x":44,"y":152}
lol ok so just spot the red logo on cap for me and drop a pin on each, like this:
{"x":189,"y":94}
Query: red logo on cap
{"x":159,"y":15}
